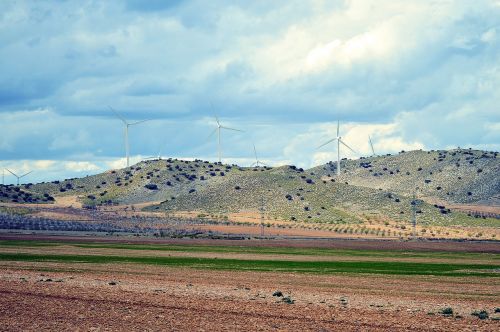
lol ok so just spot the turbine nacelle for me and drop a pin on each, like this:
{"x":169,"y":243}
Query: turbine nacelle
{"x":257,"y":161}
{"x":127,"y":125}
{"x":218,"y":131}
{"x":339,"y":141}
{"x":18,"y":176}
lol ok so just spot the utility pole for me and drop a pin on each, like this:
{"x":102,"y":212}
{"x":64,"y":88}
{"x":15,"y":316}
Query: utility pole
{"x":261,"y":216}
{"x":414,"y":216}
{"x":414,"y":203}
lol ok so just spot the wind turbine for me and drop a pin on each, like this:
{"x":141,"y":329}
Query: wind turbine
{"x":18,"y":176}
{"x":218,"y":130}
{"x":257,"y":161}
{"x":127,"y":125}
{"x":371,"y":145}
{"x":339,"y":141}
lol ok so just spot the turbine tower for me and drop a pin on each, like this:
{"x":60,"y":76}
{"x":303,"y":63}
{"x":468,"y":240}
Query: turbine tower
{"x":257,"y":161}
{"x":126,"y":126}
{"x":18,"y":176}
{"x":339,"y":141}
{"x":371,"y":145}
{"x":218,"y":130}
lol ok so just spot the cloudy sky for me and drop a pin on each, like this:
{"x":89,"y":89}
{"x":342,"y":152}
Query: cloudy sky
{"x":412,"y":74}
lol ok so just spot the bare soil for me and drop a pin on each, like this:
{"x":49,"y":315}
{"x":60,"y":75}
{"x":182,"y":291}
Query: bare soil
{"x":36,"y":296}
{"x":174,"y":299}
{"x":154,"y":298}
{"x":334,"y":243}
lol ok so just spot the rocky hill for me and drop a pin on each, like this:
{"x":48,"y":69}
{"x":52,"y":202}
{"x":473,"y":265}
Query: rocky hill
{"x":455,"y":176}
{"x":15,"y":194}
{"x":147,"y":181}
{"x":380,"y":186}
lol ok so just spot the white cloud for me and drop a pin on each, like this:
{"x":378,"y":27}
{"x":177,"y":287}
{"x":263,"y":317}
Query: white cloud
{"x":121,"y":162}
{"x":81,"y":166}
{"x":386,"y":138}
{"x":489,"y":36}
{"x":43,"y":164}
{"x":424,"y":73}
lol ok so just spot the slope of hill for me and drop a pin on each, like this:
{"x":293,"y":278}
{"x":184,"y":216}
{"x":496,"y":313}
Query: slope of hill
{"x":376,"y":187}
{"x":146,"y":181}
{"x":15,"y":194}
{"x":455,"y":176}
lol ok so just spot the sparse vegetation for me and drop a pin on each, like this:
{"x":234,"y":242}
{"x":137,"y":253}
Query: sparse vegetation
{"x":481,"y":314}
{"x":448,"y":311}
{"x":290,"y":197}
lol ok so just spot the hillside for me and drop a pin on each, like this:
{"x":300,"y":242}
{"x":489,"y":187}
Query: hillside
{"x":455,"y":176}
{"x":377,"y":188}
{"x":15,"y":194}
{"x":285,"y":195}
{"x":147,"y":181}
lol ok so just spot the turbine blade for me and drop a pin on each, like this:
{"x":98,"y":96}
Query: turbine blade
{"x":213,"y":112}
{"x":338,"y":128}
{"x":137,"y":122}
{"x":26,"y":174}
{"x":326,"y":143}
{"x":8,"y":170}
{"x":347,"y":146}
{"x":118,"y":115}
{"x":255,"y":153}
{"x":232,"y":129}
{"x":371,"y":145}
{"x":212,"y":133}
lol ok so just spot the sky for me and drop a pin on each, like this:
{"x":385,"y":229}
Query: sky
{"x":421,"y":74}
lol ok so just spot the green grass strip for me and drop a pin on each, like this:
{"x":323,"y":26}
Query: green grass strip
{"x":261,"y":250}
{"x":388,"y":268}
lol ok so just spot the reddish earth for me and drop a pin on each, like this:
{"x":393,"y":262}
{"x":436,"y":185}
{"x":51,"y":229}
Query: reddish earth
{"x":334,"y":243}
{"x":51,"y":296}
{"x":175,"y":299}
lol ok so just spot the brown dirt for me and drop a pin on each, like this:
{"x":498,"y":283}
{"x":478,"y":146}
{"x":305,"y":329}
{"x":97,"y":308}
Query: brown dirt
{"x":68,"y":201}
{"x":159,"y":298}
{"x":336,"y":243}
{"x":478,"y":208}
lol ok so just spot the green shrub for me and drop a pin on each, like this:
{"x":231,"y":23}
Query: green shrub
{"x":483,"y":314}
{"x":446,"y":311}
